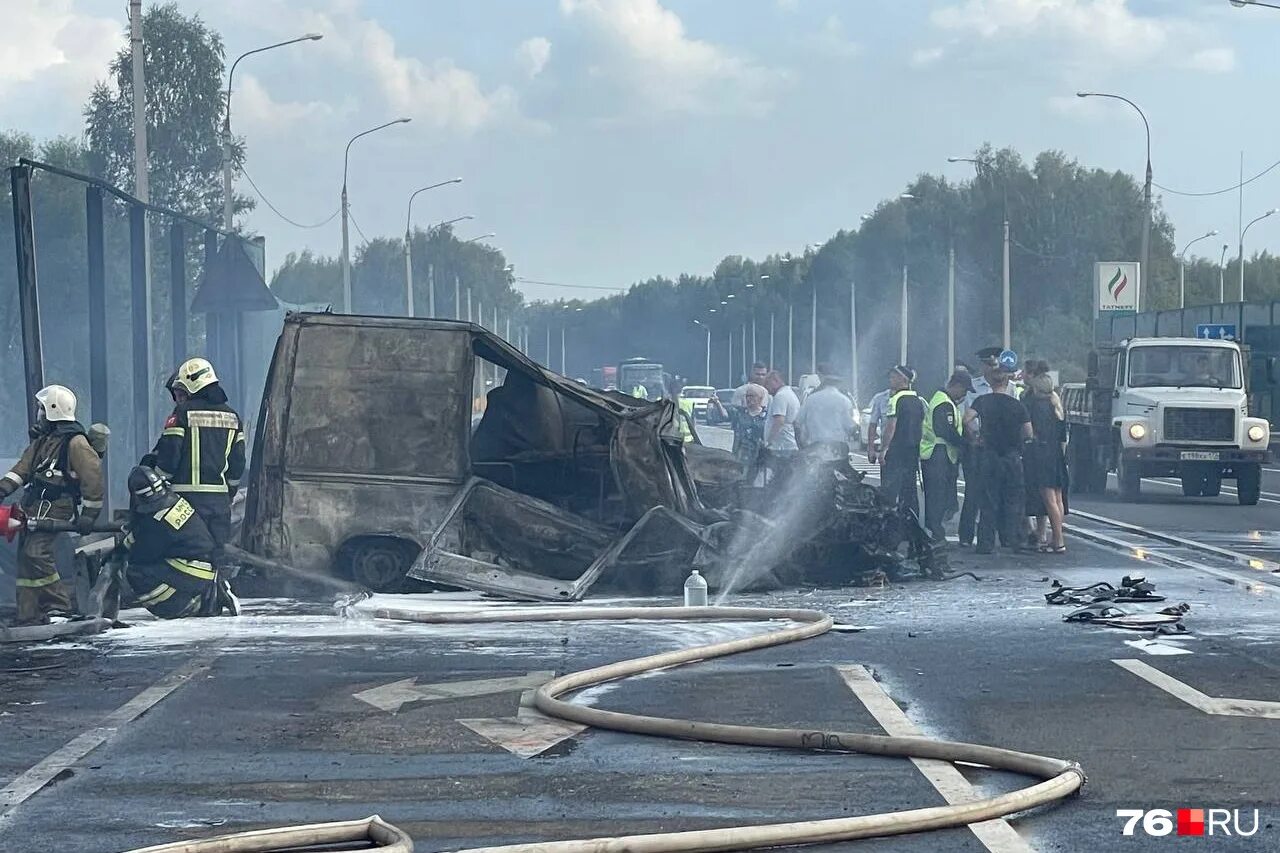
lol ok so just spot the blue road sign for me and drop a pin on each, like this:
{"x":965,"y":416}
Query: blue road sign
{"x":1216,"y":331}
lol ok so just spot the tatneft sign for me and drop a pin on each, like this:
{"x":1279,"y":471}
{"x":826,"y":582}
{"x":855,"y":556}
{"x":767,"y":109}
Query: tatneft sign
{"x":1116,"y":285}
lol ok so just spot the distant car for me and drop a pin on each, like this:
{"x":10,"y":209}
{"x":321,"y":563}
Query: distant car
{"x":725,"y":396}
{"x":699,"y":394}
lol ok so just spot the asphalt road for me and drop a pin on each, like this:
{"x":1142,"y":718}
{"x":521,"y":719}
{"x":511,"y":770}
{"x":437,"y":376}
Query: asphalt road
{"x":291,"y":714}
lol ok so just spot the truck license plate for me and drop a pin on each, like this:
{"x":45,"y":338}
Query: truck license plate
{"x":1200,"y":456}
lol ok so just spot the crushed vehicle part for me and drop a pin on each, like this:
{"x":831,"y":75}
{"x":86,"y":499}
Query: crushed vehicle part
{"x":526,"y":548}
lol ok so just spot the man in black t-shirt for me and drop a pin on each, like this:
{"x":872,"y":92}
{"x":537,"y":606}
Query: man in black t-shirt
{"x":1001,"y":425}
{"x":904,"y":426}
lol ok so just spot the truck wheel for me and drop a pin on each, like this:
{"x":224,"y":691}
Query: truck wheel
{"x":1193,"y":485}
{"x":1130,"y":478}
{"x":1212,"y":485}
{"x":1249,"y":484}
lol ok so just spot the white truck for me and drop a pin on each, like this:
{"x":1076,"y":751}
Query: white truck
{"x":1166,"y":407}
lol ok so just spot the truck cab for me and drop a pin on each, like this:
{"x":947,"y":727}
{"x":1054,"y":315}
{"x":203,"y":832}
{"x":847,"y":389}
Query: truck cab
{"x":1167,"y":407}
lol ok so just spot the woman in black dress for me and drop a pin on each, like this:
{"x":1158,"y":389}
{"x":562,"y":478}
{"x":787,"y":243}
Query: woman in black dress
{"x":1045,"y":462}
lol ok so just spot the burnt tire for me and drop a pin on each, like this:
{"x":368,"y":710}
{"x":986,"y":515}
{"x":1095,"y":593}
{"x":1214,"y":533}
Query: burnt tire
{"x":379,"y":563}
{"x":1249,"y":485}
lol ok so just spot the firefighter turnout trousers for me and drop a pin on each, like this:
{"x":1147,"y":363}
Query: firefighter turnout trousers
{"x":40,"y":588}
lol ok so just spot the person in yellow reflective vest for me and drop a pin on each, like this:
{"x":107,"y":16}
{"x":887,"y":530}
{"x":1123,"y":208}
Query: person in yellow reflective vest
{"x":903,"y":429}
{"x":941,"y":443}
{"x":685,"y":425}
{"x":640,"y":392}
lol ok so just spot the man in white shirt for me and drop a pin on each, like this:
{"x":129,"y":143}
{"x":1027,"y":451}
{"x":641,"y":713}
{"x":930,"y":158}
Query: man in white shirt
{"x":780,"y":429}
{"x":759,"y":371}
{"x":826,"y":415}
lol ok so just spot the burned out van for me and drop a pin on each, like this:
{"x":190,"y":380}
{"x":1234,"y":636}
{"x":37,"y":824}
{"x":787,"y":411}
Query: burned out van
{"x":395,"y":445}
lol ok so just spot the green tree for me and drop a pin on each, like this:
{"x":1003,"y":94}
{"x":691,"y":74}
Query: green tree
{"x":184,"y":60}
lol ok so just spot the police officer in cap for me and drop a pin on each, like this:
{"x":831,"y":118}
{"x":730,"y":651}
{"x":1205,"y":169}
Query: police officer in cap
{"x":169,"y":553}
{"x":903,"y":430}
{"x":940,"y":450}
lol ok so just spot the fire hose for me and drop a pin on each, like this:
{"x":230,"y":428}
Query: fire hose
{"x":1058,"y":778}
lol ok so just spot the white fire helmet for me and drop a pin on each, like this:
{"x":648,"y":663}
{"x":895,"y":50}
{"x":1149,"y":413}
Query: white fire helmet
{"x":57,"y":402}
{"x":194,"y":374}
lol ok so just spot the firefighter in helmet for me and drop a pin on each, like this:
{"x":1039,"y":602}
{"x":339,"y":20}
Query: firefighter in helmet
{"x":202,"y":449}
{"x":60,"y":475}
{"x":169,"y":553}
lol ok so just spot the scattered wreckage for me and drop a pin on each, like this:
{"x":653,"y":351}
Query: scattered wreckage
{"x":369,"y":462}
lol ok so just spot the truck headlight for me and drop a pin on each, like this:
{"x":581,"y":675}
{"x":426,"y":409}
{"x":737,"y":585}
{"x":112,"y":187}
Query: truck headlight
{"x":1137,"y":431}
{"x":1257,"y":433}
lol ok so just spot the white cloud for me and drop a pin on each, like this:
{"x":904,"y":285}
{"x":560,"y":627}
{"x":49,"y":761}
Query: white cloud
{"x":253,"y":105}
{"x":644,"y":49}
{"x":927,"y":56}
{"x":832,"y":40}
{"x":1094,"y":31}
{"x":49,"y":42}
{"x":533,"y":54}
{"x":436,"y":93}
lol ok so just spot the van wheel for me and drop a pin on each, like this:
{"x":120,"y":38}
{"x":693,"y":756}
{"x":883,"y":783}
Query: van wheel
{"x":379,"y":563}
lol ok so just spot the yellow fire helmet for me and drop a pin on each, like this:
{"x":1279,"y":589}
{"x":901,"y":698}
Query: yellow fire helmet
{"x":195,"y":374}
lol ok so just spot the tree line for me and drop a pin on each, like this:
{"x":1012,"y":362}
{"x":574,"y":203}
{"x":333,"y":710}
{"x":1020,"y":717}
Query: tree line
{"x":1063,"y":218}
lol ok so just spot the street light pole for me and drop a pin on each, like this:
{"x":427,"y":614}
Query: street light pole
{"x":1182,"y":267}
{"x":1006,"y":294}
{"x":346,"y":240}
{"x":228,"y":202}
{"x":853,"y":338}
{"x":1146,"y":186}
{"x":951,"y":309}
{"x":1222,"y":274}
{"x":408,"y":253}
{"x":1272,"y":212}
{"x":1240,"y":4}
{"x":707,"y":328}
{"x":902,"y":350}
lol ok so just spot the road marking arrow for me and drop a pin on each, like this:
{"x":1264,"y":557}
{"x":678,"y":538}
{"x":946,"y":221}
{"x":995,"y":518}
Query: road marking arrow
{"x":528,"y":733}
{"x":1208,"y":704}
{"x":392,"y":697}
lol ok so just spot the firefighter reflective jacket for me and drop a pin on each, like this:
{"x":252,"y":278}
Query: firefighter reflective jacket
{"x":173,"y":545}
{"x":61,"y":472}
{"x":202,"y":448}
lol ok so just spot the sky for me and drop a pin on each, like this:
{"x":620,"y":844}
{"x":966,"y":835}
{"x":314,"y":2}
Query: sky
{"x":607,"y":141}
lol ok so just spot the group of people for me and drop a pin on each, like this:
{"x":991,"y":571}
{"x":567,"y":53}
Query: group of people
{"x":1009,"y":441}
{"x":771,"y":424}
{"x":180,"y":494}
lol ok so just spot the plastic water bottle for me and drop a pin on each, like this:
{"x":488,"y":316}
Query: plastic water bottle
{"x":695,"y":590}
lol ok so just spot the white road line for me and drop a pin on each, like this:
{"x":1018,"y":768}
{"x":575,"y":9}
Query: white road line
{"x":996,"y":835}
{"x":1221,"y":707}
{"x":29,"y":783}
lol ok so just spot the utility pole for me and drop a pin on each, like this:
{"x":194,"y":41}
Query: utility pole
{"x":951,"y":310}
{"x":813,"y":334}
{"x":773,"y":365}
{"x":732,"y":384}
{"x":431,"y":290}
{"x":1008,"y":339}
{"x":457,"y":298}
{"x":853,"y":338}
{"x":142,"y":184}
{"x":791,"y":332}
{"x":746,"y":365}
{"x":562,"y":367}
{"x":408,"y":275}
{"x":902,"y":350}
{"x":469,"y":314}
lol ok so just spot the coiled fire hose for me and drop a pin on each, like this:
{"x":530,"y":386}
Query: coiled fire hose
{"x":1059,"y":778}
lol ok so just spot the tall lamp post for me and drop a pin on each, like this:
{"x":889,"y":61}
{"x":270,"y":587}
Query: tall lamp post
{"x":706,"y":327}
{"x":1146,"y":186}
{"x":1222,"y":274}
{"x":1006,"y":289}
{"x":1272,"y":212}
{"x":228,"y":198}
{"x":905,"y":303}
{"x":408,"y":255}
{"x":346,"y":240}
{"x":1240,"y":4}
{"x":481,"y":237}
{"x":1182,"y":267}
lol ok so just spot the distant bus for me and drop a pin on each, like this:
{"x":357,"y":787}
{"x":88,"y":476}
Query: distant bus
{"x":634,"y":372}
